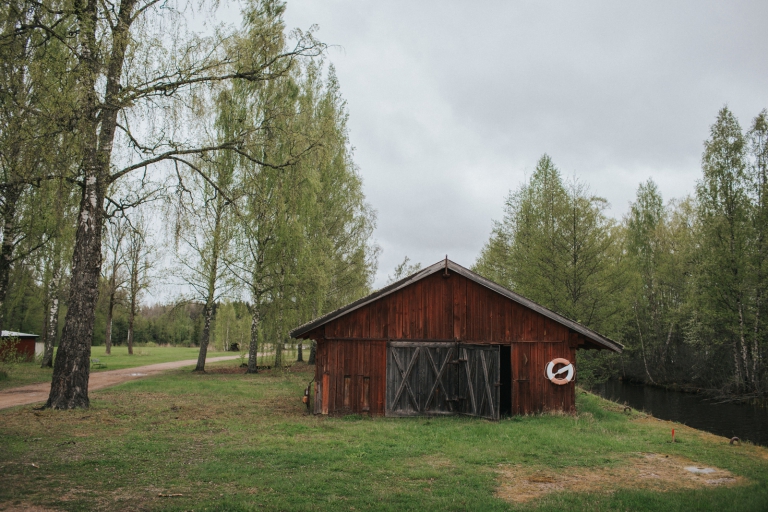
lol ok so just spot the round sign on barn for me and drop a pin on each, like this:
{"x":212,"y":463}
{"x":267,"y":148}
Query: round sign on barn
{"x":567,"y":368}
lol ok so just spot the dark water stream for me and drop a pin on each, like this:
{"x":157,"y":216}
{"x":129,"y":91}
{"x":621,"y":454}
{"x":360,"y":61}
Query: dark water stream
{"x":745,"y":421}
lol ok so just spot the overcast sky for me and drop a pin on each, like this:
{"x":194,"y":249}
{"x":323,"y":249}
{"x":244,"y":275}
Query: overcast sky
{"x":452,"y":103}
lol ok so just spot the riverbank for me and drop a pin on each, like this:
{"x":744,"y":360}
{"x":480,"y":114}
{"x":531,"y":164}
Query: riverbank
{"x":730,"y":419}
{"x":230,"y":441}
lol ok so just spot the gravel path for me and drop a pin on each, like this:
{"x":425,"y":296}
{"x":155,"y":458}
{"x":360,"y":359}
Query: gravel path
{"x":39,"y":392}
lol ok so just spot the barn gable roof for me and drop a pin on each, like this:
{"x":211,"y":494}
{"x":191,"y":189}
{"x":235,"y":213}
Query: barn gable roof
{"x":441,"y":266}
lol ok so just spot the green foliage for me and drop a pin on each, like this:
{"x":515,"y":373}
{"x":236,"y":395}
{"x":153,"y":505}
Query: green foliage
{"x":232,"y":325}
{"x":303,"y":232}
{"x":681,"y":284}
{"x":10,"y":359}
{"x":659,"y":245}
{"x":402,"y":270}
{"x":556,"y":246}
{"x":731,"y":282}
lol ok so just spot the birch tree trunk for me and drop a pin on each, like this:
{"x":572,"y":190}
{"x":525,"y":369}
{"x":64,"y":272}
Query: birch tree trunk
{"x":108,"y":333}
{"x":737,"y":365}
{"x":642,"y":346}
{"x":279,"y":338}
{"x":254,"y":344}
{"x":52,"y":320}
{"x":208,"y":311}
{"x":98,"y":122}
{"x":115,"y":262}
{"x":131,"y":317}
{"x":743,"y":343}
{"x":213,"y":280}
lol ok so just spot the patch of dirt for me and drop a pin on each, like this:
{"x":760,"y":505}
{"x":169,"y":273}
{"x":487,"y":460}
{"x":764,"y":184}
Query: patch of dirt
{"x":651,"y":471}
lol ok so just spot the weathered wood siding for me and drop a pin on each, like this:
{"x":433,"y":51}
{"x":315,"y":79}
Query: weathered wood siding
{"x":452,"y":309}
{"x":531,"y":390}
{"x":350,"y":377}
{"x":437,"y":308}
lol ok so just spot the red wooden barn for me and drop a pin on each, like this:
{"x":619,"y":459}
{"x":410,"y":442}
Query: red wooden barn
{"x":446,"y":341}
{"x":21,"y":343}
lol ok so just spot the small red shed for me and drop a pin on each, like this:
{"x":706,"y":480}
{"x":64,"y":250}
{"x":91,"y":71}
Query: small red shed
{"x":442,"y":341}
{"x":21,"y":343}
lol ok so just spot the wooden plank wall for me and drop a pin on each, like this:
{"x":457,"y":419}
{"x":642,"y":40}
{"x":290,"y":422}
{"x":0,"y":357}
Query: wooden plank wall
{"x":450,"y":309}
{"x":354,"y":376}
{"x":443,"y":309}
{"x":532,"y":392}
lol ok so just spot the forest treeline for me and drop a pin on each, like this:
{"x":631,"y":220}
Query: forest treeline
{"x":137,"y":152}
{"x":680,"y":283}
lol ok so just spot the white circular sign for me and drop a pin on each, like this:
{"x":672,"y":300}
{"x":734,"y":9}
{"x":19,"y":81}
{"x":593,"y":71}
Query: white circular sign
{"x":567,"y":369}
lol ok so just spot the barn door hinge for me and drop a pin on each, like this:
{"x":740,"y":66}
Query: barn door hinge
{"x":497,"y":384}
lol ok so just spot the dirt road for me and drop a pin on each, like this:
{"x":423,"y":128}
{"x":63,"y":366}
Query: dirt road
{"x":39,"y":392}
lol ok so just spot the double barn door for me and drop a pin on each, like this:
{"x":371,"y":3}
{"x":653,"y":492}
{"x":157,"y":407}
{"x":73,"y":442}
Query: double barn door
{"x":434,"y":378}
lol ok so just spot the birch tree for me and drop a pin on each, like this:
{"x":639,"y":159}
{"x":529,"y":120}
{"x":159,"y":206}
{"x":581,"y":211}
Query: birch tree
{"x":115,"y":275}
{"x":757,"y":179}
{"x":723,"y":212}
{"x":139,"y":260}
{"x":659,"y":263}
{"x":61,"y":216}
{"x":28,"y":90}
{"x":206,"y":239}
{"x":119,"y":57}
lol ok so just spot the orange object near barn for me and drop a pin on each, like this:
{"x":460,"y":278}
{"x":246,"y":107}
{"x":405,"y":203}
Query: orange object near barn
{"x":22,"y":344}
{"x":444,"y":341}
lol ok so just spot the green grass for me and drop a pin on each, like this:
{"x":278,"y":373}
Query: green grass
{"x":242,"y":442}
{"x":120,"y":359}
{"x":23,"y":374}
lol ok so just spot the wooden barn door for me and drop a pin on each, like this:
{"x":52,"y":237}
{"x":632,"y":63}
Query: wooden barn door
{"x":479,"y":374}
{"x":422,"y":378}
{"x":442,"y":378}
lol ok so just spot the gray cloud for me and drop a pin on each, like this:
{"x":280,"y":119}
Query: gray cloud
{"x":451,"y":104}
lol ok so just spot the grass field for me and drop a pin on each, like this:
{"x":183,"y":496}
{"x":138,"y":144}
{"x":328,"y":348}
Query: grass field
{"x":229,"y":441}
{"x":23,"y":374}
